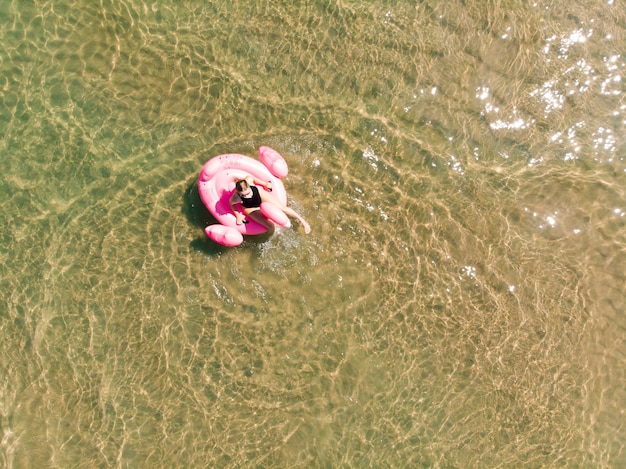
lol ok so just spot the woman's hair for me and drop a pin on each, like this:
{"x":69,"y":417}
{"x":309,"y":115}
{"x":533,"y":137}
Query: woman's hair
{"x":242,"y":185}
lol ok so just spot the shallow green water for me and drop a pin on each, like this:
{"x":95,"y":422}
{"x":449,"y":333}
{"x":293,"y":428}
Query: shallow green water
{"x":459,"y":303}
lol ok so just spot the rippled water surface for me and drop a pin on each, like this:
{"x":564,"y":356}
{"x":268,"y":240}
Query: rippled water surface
{"x":459,"y":303}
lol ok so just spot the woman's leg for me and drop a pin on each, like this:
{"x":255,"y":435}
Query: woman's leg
{"x":267,"y":197}
{"x":258,"y":217}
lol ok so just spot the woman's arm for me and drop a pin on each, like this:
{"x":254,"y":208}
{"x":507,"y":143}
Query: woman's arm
{"x":259,"y":182}
{"x":236,"y":200}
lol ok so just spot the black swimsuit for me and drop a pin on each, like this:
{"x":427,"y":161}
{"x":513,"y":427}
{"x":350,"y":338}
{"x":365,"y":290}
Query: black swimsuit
{"x":254,"y":201}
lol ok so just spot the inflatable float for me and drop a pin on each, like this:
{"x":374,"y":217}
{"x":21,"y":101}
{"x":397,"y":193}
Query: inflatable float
{"x":216,"y":184}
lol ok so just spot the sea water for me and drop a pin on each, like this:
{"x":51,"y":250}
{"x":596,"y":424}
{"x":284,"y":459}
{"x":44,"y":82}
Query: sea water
{"x":458,"y":304}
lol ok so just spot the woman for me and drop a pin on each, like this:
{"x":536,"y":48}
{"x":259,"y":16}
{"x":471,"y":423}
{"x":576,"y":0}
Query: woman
{"x":248,"y":195}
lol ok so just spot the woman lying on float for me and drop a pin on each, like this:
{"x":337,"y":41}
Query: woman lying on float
{"x":247,"y":198}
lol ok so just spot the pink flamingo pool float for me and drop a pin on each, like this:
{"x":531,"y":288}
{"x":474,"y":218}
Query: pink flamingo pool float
{"x":216,"y":184}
